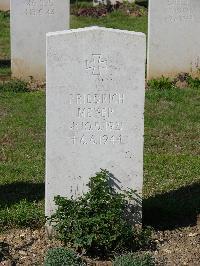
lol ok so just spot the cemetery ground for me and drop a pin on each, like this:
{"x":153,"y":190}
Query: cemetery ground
{"x":171,"y":159}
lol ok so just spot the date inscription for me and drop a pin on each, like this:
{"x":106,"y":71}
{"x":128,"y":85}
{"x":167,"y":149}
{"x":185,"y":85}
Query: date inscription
{"x":102,"y":139}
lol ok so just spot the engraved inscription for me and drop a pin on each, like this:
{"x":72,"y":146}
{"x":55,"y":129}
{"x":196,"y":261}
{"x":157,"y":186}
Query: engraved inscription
{"x":102,"y":139}
{"x":179,"y":10}
{"x":96,"y":64}
{"x":95,"y":112}
{"x":97,"y":98}
{"x":97,"y":126}
{"x":94,"y":121}
{"x":39,"y":7}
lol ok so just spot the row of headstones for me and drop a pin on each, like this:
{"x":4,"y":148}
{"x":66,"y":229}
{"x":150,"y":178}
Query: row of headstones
{"x":173,"y":42}
{"x":96,"y":86}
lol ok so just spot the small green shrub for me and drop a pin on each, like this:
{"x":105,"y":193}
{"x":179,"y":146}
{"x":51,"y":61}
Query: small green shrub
{"x":96,"y":221}
{"x":193,"y":83}
{"x":162,"y":83}
{"x":5,"y":71}
{"x":14,"y":85}
{"x":62,"y":257}
{"x":134,"y":260}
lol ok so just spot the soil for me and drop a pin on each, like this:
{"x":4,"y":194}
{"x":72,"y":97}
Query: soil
{"x":172,"y":247}
{"x":178,"y":247}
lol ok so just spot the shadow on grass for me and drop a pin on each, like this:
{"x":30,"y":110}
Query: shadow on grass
{"x":142,"y":3}
{"x":167,"y":211}
{"x":5,"y":63}
{"x":5,"y":69}
{"x":11,"y":194}
{"x":175,"y":209}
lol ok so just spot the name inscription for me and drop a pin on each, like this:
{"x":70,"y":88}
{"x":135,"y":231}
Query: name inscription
{"x":94,"y":121}
{"x":39,"y":7}
{"x":179,"y":10}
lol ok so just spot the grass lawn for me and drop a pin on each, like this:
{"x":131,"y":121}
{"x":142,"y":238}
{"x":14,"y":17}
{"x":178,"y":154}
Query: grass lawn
{"x":115,"y":20}
{"x":4,"y":35}
{"x":171,"y":155}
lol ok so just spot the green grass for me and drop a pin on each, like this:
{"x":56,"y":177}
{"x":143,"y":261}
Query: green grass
{"x":172,"y":157}
{"x":4,"y":35}
{"x":4,"y":45}
{"x":5,"y":71}
{"x":172,"y":128}
{"x":22,"y":127}
{"x":116,"y":20}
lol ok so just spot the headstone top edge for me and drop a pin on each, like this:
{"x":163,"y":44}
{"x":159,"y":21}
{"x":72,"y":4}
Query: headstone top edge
{"x":95,"y":28}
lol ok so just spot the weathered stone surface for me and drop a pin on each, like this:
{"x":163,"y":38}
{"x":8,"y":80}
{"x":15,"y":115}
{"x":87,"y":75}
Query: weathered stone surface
{"x":4,"y":5}
{"x":174,"y":40}
{"x":30,"y":21}
{"x":95,"y":105}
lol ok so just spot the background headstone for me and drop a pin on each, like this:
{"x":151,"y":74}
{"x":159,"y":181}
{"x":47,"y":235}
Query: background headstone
{"x":4,"y":5}
{"x":30,"y":21}
{"x":174,"y":39}
{"x":95,"y":106}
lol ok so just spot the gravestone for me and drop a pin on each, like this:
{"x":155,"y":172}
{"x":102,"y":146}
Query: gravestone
{"x":174,"y":40}
{"x":30,"y":21}
{"x":95,"y":106}
{"x":4,"y":5}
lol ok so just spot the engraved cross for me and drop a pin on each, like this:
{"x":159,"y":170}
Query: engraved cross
{"x":96,"y":64}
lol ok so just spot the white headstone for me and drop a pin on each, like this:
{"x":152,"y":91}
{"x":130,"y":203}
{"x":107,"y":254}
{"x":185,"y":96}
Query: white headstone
{"x":4,"y":5}
{"x":30,"y":21}
{"x":95,"y":106}
{"x":174,"y":39}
